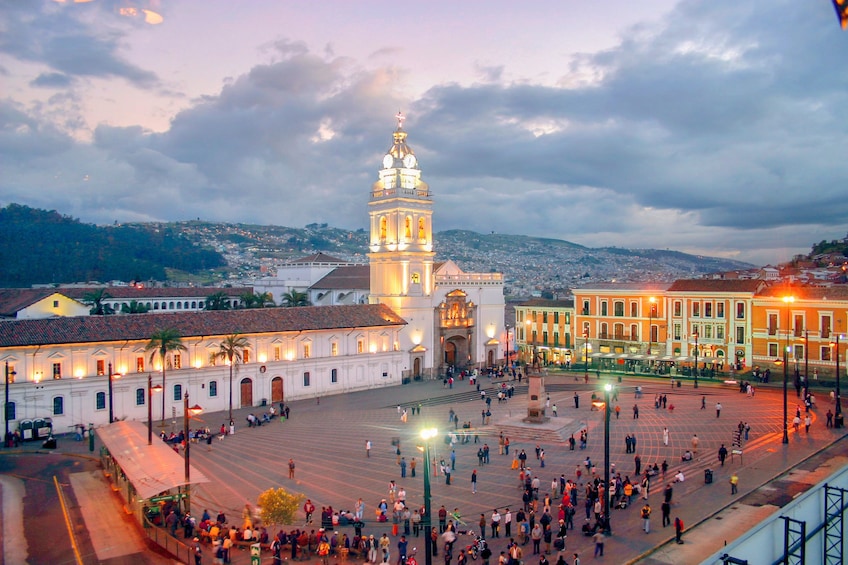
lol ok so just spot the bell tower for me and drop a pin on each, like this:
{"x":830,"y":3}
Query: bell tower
{"x":401,"y":213}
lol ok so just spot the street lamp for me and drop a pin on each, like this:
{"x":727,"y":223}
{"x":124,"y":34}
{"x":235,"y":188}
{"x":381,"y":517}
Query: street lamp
{"x":187,"y":415}
{"x":111,"y":377}
{"x":786,"y":300}
{"x":695,"y":333}
{"x":838,"y":416}
{"x":426,"y":522}
{"x":651,"y":310}
{"x":586,"y":354}
{"x":607,"y":527}
{"x":150,"y":389}
{"x":6,"y":404}
{"x":507,"y":348}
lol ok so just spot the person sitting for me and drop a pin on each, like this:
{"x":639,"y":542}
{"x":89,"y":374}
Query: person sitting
{"x":687,"y":456}
{"x":678,"y":478}
{"x":588,"y":529}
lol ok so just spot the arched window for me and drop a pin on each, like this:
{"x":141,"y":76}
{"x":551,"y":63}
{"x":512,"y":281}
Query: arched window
{"x":58,"y":405}
{"x":11,"y":411}
{"x":407,"y":232}
{"x":139,"y":396}
{"x":100,"y":401}
{"x":178,"y":392}
{"x":383,"y":228}
{"x":213,"y":388}
{"x":422,"y":231}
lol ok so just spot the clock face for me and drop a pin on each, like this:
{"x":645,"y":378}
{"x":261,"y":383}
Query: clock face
{"x":388,"y":160}
{"x":409,"y":161}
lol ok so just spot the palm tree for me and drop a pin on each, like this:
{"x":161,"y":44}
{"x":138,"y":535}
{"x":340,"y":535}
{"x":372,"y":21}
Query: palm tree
{"x":232,"y":350}
{"x":295,"y":298}
{"x":248,"y":299}
{"x":265,"y":300}
{"x":134,"y":307}
{"x":218,"y":301}
{"x":95,"y":300}
{"x":162,"y":342}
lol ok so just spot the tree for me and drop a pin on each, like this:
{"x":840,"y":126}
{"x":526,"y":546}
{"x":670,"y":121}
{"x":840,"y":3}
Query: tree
{"x":134,"y":307}
{"x":248,"y":300}
{"x":218,"y":301}
{"x":279,"y":507}
{"x":295,"y":298}
{"x":95,"y":300}
{"x":232,"y":350}
{"x":161,"y":343}
{"x":265,"y":300}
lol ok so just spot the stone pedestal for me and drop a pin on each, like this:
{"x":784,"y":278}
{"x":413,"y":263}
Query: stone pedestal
{"x":536,"y":399}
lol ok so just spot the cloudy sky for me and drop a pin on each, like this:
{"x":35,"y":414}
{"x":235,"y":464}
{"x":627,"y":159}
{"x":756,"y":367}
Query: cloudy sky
{"x":714,"y":127}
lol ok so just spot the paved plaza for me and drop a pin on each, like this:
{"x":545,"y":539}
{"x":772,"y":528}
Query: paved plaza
{"x":327,"y":439}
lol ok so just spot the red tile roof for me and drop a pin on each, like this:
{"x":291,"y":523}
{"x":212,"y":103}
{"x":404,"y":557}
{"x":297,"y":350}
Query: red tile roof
{"x":716,"y":285}
{"x":87,"y":329}
{"x":344,"y":278}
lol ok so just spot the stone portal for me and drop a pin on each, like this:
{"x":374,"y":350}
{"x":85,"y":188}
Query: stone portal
{"x":536,"y":399}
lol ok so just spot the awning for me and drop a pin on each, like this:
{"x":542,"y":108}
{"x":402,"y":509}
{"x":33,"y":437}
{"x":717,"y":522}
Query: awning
{"x":609,"y":355}
{"x":596,"y":355}
{"x":151,"y":469}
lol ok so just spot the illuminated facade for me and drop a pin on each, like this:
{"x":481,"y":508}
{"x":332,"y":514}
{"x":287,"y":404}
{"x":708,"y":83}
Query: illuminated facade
{"x":453,"y":318}
{"x":543,"y":331}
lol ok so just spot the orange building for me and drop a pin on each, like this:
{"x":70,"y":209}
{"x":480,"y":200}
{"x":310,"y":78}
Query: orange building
{"x":544,"y":331}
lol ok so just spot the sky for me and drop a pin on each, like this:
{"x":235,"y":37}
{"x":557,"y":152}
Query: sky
{"x":709,"y":127}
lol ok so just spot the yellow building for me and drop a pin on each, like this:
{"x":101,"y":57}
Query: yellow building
{"x":544,"y":332}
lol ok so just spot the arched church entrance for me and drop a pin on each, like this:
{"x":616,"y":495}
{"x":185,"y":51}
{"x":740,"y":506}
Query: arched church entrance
{"x":277,"y":389}
{"x":246,"y":393}
{"x":456,"y":352}
{"x":416,"y":367}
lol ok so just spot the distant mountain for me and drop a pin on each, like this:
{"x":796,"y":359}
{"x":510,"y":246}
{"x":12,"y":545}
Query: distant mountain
{"x":42,"y":246}
{"x":46,"y":247}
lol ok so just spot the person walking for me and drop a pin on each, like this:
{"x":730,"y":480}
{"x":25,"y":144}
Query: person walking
{"x":722,"y":454}
{"x":576,"y":400}
{"x":703,"y":403}
{"x":599,"y":543}
{"x":695,"y":443}
{"x":554,"y":409}
{"x":291,"y":468}
{"x":367,"y":448}
{"x":734,"y":482}
{"x":665,"y":437}
{"x":718,"y":409}
{"x":474,"y":481}
{"x":403,"y":467}
{"x":635,"y":411}
{"x":646,"y":518}
{"x":638,"y":461}
{"x":678,"y":529}
{"x":807,"y":422}
{"x":666,"y":513}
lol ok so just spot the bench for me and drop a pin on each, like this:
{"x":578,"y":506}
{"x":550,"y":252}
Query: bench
{"x":242,"y":544}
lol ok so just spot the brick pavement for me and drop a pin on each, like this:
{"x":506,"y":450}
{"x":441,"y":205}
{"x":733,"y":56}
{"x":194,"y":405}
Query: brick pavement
{"x":327,"y":442}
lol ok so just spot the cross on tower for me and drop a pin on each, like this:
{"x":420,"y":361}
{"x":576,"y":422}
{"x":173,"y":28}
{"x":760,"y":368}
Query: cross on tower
{"x":400,"y":118}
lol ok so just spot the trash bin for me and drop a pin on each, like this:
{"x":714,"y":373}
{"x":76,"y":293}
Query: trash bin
{"x":839,"y":421}
{"x":708,"y":476}
{"x":26,"y":430}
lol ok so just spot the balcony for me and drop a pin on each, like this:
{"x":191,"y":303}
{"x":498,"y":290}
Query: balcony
{"x":617,"y":336}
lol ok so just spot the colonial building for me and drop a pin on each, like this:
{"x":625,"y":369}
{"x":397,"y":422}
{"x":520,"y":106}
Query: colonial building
{"x":60,"y":367}
{"x":544,"y":331}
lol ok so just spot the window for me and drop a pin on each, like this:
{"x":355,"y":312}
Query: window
{"x":139,"y":364}
{"x":740,"y":310}
{"x":678,"y":308}
{"x":100,"y":401}
{"x":178,"y":392}
{"x":58,"y":405}
{"x":334,"y":348}
{"x":556,"y":339}
{"x":11,"y":411}
{"x":422,"y":232}
{"x":740,"y":334}
{"x":306,"y":378}
{"x":799,"y":351}
{"x":634,"y":332}
{"x":825,"y":353}
{"x":534,"y":337}
{"x":604,"y":330}
{"x":604,"y":311}
{"x":634,"y":307}
{"x":696,"y":309}
{"x":360,"y":345}
{"x":772,"y":350}
{"x":307,"y":350}
{"x":334,"y":376}
{"x":544,"y":317}
{"x":57,"y":370}
{"x":213,"y":388}
{"x":677,"y":331}
{"x":825,"y":326}
{"x":619,"y":331}
{"x":556,"y":317}
{"x":585,"y":307}
{"x":618,"y":308}
{"x":55,"y":304}
{"x":798,"y":326}
{"x":277,"y":353}
{"x":772,"y":324}
{"x":101,"y":369}
{"x":708,"y":310}
{"x":416,"y":278}
{"x":139,"y":397}
{"x":545,"y":338}
{"x":567,"y":318}
{"x":720,"y":332}
{"x":720,"y":310}
{"x":708,"y":332}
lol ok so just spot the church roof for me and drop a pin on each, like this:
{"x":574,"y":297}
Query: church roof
{"x":318,"y":258}
{"x":135,"y":327}
{"x":344,"y":278}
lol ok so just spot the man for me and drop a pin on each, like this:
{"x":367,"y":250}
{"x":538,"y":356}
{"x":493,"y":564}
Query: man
{"x":412,"y":465}
{"x":599,"y":543}
{"x":695,"y":443}
{"x":635,"y":411}
{"x":402,"y":545}
{"x":443,"y":517}
{"x":576,"y":400}
{"x":308,"y":509}
{"x":666,"y":513}
{"x":291,"y":468}
{"x":496,"y":523}
{"x":722,"y":454}
{"x":646,"y":518}
{"x":507,"y":520}
{"x":669,"y":492}
{"x":734,"y":481}
{"x":718,"y":409}
{"x":665,"y":436}
{"x":474,"y":481}
{"x":678,"y":529}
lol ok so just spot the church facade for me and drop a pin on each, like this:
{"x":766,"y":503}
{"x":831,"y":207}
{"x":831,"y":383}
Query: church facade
{"x":453,"y":318}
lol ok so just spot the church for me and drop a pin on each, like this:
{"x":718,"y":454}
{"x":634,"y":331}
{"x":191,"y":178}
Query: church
{"x":452,"y":318}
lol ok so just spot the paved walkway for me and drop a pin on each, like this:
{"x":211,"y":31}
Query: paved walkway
{"x":327,"y":441}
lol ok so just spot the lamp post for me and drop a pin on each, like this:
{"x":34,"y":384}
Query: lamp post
{"x":150,"y":389}
{"x":695,"y":333}
{"x":6,"y":403}
{"x":111,"y":412}
{"x":586,"y":354}
{"x":607,"y":527}
{"x":653,"y":302}
{"x":426,"y":521}
{"x":187,"y":414}
{"x":786,"y":300}
{"x":507,"y":348}
{"x":838,"y":416}
{"x":807,"y":357}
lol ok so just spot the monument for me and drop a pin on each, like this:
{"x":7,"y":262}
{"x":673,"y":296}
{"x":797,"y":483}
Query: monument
{"x":536,"y":399}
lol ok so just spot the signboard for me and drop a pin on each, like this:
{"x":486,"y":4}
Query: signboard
{"x":255,"y":554}
{"x":167,"y":497}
